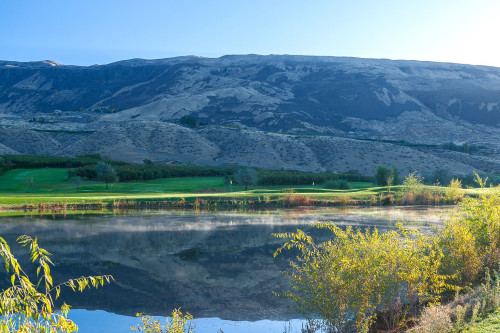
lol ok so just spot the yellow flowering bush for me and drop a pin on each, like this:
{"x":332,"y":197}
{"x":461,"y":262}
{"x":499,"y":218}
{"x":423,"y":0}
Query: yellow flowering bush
{"x":354,"y":276}
{"x":28,"y":306}
{"x":177,"y":323}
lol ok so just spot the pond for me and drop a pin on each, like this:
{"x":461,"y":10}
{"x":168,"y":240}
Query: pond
{"x":217,"y":266}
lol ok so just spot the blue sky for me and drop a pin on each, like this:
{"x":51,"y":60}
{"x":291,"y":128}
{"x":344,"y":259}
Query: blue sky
{"x":87,"y":31}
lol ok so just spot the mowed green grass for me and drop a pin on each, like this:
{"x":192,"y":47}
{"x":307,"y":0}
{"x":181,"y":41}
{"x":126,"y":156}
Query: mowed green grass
{"x":46,"y":180}
{"x":52,"y":185}
{"x":55,"y":181}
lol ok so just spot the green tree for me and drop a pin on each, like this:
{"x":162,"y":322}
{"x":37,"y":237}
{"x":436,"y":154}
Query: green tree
{"x":441,"y":176}
{"x":106,"y":173}
{"x":28,"y":306}
{"x":466,"y":147}
{"x":77,"y":180}
{"x":382,"y":174}
{"x":337,"y":184}
{"x":395,"y":175}
{"x":245,"y":177}
{"x":188,"y":121}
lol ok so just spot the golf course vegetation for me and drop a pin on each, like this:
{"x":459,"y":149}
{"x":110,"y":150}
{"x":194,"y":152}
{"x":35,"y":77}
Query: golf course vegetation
{"x":32,"y":187}
{"x":359,"y":280}
{"x":31,"y":182}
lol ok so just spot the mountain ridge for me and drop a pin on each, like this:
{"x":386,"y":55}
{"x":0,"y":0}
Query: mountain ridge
{"x":351,"y":98}
{"x":238,"y":56}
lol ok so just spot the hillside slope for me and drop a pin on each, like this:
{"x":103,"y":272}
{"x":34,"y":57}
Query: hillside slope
{"x":128,"y":110}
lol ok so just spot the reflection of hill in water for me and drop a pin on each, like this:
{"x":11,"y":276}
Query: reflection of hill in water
{"x":211,"y":265}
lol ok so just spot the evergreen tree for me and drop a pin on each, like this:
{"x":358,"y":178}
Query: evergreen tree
{"x":466,"y":148}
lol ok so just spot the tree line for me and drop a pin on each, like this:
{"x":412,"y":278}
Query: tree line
{"x":9,"y":162}
{"x":131,"y":172}
{"x":286,"y":177}
{"x":385,"y":176}
{"x":84,"y":166}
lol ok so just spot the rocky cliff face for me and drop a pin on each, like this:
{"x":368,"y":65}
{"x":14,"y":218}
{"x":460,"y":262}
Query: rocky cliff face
{"x":272,"y":101}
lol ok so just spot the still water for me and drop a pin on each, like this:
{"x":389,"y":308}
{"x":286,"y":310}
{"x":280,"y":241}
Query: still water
{"x":217,"y":266}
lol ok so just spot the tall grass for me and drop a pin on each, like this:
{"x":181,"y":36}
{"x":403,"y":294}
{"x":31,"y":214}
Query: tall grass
{"x":292,"y":199}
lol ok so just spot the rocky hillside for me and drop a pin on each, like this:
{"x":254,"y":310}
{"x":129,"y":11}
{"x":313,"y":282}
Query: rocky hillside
{"x":297,"y":112}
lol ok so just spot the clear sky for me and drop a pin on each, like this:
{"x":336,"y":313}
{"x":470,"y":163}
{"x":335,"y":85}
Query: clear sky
{"x":85,"y":32}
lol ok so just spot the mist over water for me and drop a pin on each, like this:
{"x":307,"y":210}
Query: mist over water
{"x":213,"y":265}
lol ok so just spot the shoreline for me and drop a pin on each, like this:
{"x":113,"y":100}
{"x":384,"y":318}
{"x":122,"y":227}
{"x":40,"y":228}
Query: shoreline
{"x":211,"y":205}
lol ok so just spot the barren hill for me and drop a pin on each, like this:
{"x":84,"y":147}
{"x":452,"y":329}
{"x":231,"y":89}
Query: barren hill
{"x":296,"y":112}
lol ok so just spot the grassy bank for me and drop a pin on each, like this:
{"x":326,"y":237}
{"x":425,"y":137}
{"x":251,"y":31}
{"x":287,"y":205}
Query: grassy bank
{"x":491,"y":323}
{"x":32,"y":187}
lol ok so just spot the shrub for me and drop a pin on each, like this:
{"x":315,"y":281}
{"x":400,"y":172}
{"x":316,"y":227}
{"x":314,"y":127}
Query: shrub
{"x":463,"y":310}
{"x":177,"y":323}
{"x":435,"y":319}
{"x":293,"y":199}
{"x":424,"y":198}
{"x":337,"y":185}
{"x":471,"y":240}
{"x":482,"y":217}
{"x":413,"y":184}
{"x":343,"y":200}
{"x":454,"y":191}
{"x":386,"y":200}
{"x":28,"y":306}
{"x":350,"y":278}
{"x":188,"y":121}
{"x":462,"y":262}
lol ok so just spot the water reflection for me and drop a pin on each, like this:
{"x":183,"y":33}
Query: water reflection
{"x":213,"y":265}
{"x":104,"y":322}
